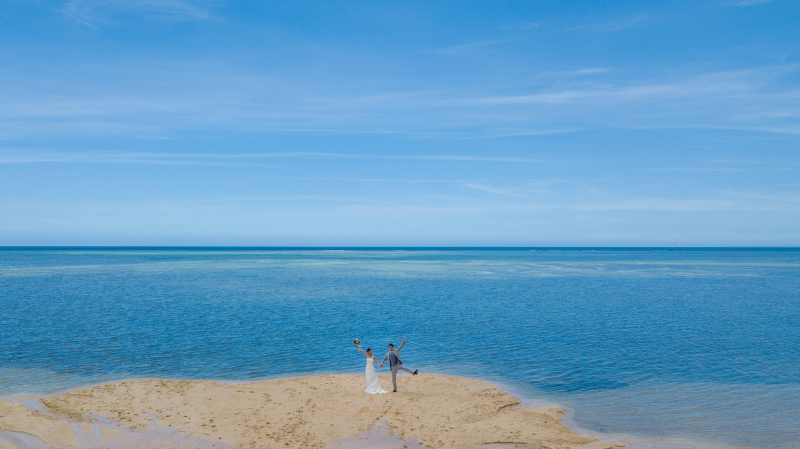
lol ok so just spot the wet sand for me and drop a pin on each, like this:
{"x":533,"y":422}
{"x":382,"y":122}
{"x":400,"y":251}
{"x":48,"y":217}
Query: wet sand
{"x":322,"y":411}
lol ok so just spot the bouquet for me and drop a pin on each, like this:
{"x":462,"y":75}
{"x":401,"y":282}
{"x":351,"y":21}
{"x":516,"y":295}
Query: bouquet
{"x":357,"y":342}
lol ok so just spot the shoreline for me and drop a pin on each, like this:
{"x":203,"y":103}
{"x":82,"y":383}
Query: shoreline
{"x":315,"y":410}
{"x":631,"y":441}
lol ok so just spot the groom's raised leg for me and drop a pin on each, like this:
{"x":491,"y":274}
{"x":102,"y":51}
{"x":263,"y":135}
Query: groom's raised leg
{"x":405,"y":369}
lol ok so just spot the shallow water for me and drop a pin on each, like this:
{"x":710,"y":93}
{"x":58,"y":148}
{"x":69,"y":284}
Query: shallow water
{"x":698,"y":346}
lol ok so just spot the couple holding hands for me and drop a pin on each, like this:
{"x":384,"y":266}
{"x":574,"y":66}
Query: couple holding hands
{"x":395,"y":364}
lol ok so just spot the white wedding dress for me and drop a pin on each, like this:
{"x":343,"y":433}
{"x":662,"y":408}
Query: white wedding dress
{"x":373,"y":386}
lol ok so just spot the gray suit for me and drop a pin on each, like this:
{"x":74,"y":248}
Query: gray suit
{"x":395,"y":363}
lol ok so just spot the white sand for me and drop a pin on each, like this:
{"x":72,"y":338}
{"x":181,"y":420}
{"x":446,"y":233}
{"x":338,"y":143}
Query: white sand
{"x":307,"y":412}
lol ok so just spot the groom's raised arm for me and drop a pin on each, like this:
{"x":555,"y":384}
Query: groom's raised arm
{"x":401,"y":346}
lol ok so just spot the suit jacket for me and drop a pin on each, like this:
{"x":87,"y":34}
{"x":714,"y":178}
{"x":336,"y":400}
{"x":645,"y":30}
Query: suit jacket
{"x":396,"y":354}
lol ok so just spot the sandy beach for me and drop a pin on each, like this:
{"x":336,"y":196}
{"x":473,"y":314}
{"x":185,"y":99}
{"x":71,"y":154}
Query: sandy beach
{"x":434,"y":411}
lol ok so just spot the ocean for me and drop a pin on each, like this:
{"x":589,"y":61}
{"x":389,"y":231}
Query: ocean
{"x":670,"y":347}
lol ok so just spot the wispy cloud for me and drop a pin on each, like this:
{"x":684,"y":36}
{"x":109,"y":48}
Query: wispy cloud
{"x":699,"y":169}
{"x":592,"y":71}
{"x":587,"y":72}
{"x":489,"y":189}
{"x":102,"y":12}
{"x":751,"y":2}
{"x":31,"y":157}
{"x":618,"y":23}
{"x":754,"y":100}
{"x":722,"y":169}
{"x":691,"y":205}
{"x":522,"y":132}
{"x":472,"y":47}
{"x":198,"y":98}
{"x":379,"y":180}
{"x":645,"y":92}
{"x":453,"y":204}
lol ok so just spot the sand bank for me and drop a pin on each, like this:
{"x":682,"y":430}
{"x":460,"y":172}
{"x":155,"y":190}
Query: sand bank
{"x":307,"y":412}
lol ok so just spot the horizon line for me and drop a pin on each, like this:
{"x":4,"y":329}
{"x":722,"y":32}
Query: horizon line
{"x":395,"y":248}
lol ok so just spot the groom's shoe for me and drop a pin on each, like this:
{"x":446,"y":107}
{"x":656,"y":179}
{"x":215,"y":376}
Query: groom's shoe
{"x":416,"y":371}
{"x":394,"y":391}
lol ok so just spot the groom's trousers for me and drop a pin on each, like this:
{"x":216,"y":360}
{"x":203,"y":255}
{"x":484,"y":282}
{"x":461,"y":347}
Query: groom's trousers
{"x":394,"y":369}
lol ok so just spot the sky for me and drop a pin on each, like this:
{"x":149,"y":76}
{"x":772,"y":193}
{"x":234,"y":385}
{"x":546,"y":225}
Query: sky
{"x":277,"y":123}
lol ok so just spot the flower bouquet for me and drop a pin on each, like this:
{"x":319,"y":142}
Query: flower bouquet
{"x":357,"y":342}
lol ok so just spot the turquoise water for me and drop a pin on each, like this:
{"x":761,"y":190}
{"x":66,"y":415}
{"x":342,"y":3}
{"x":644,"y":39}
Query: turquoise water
{"x":696,"y":346}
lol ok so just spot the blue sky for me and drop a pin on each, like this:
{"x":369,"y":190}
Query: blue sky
{"x":178,"y":122}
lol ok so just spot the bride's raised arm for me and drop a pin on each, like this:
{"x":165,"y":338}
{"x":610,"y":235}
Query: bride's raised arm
{"x":362,"y":351}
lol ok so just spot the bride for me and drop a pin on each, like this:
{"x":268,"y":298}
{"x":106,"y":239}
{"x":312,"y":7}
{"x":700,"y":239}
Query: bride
{"x":373,"y":386}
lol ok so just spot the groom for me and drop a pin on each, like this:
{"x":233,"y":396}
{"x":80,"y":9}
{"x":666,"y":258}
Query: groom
{"x":393,"y":356}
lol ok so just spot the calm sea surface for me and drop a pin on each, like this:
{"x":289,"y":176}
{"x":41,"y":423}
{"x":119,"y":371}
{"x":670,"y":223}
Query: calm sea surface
{"x":672,"y":346}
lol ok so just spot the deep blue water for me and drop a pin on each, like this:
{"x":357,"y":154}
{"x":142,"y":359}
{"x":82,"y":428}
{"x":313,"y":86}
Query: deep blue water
{"x":698,"y":345}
